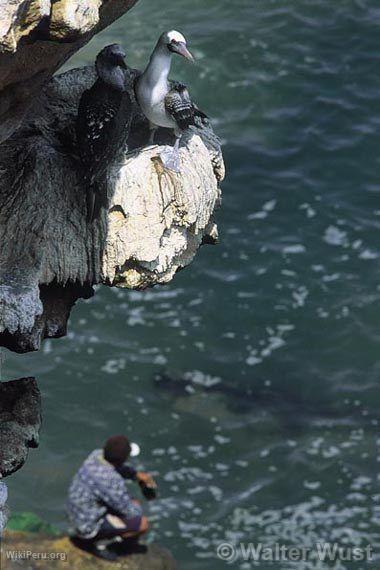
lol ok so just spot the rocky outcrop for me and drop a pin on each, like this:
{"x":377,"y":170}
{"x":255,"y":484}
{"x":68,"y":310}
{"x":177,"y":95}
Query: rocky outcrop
{"x":3,"y":506}
{"x":61,"y":554}
{"x":20,"y":421}
{"x":36,"y":38}
{"x":50,"y":256}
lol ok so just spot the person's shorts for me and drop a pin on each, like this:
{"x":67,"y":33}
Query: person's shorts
{"x":109,"y":529}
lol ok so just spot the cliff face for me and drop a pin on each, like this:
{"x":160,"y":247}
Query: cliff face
{"x":36,"y":38}
{"x":50,"y":256}
{"x":20,"y":421}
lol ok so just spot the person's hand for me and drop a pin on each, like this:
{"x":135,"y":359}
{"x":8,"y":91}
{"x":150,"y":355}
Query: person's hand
{"x":145,"y":479}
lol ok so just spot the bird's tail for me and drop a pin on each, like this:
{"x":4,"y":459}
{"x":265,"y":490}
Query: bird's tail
{"x":201,"y":115}
{"x":96,"y":199}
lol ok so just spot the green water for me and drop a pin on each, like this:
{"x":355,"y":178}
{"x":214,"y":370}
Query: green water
{"x":283,"y":314}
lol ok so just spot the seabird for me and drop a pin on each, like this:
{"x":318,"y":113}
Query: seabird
{"x":163,"y":102}
{"x":102,"y":126}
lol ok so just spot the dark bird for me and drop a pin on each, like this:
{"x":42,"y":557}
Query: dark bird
{"x":166,"y":103}
{"x":102,"y":126}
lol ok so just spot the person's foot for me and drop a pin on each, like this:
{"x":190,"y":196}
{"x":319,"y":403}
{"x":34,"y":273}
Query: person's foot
{"x":105,"y":554}
{"x":129,"y":546}
{"x":93,"y":548}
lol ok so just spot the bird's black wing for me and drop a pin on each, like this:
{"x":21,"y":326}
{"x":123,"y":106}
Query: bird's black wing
{"x":179,"y":105}
{"x":102,"y":119}
{"x":102,"y":127}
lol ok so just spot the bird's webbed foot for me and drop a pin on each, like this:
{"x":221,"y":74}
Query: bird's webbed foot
{"x":170,"y":158}
{"x":152,"y":134}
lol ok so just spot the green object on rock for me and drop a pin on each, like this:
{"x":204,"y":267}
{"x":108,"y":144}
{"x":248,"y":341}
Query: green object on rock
{"x":30,"y":522}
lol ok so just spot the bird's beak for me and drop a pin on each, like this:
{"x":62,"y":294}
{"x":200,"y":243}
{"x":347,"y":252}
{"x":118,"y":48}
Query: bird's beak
{"x":181,"y":49}
{"x":121,"y":62}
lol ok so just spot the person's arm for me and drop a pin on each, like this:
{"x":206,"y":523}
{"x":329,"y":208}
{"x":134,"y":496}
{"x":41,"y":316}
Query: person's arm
{"x":113,"y":493}
{"x":127,"y":472}
{"x":145,"y":479}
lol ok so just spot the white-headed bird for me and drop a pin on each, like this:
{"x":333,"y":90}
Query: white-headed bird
{"x":166,"y":103}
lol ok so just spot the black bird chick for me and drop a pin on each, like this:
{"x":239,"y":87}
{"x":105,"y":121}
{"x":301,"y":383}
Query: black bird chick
{"x":102,"y":126}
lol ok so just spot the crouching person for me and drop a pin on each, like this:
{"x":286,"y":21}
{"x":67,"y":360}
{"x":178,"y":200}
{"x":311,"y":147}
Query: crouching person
{"x":99,"y":505}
